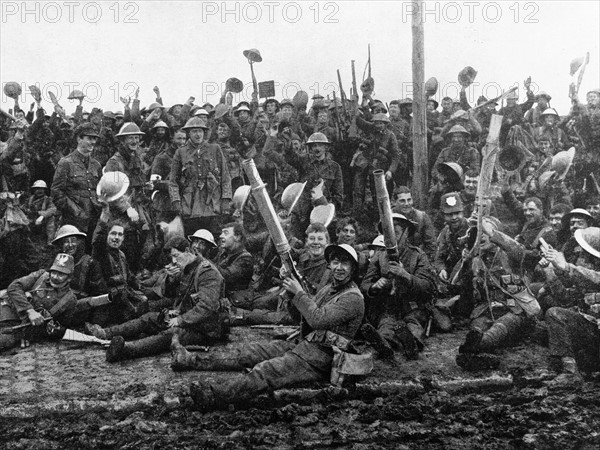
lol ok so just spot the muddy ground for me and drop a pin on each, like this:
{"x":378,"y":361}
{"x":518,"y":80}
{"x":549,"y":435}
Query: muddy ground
{"x":64,"y":395}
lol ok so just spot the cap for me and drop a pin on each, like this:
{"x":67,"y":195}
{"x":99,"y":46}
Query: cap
{"x":451,"y":203}
{"x":63,"y":263}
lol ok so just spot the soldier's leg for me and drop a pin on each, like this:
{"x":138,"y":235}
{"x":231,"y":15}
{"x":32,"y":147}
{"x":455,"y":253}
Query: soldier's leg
{"x":50,"y":229}
{"x":120,"y":350}
{"x":148,"y":323}
{"x":269,"y":375}
{"x":508,"y":327}
{"x":262,"y":317}
{"x":238,"y":358}
{"x":572,"y":336}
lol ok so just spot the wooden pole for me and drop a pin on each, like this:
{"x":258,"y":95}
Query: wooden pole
{"x":419,"y":122}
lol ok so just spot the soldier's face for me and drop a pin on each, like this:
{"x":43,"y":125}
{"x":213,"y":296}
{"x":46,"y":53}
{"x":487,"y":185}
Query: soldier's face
{"x":160,"y":132}
{"x":401,"y":233}
{"x":85,"y":144}
{"x":457,"y":139}
{"x":447,"y":105}
{"x":556,"y":221}
{"x":58,"y":279}
{"x":228,"y":239}
{"x":454,"y":219}
{"x":181,"y":259}
{"x":593,"y":98}
{"x":511,"y":102}
{"x":379,"y":125}
{"x":577,"y":223}
{"x":347,"y":235}
{"x":542,"y":103}
{"x":69,"y":245}
{"x":471,"y":184}
{"x":546,"y":148}
{"x":222,"y":132}
{"x":594,"y":210}
{"x":199,"y":247}
{"x":316,"y":243}
{"x":271,"y":108}
{"x":286,"y":112}
{"x":430,"y":106}
{"x":341,"y":268}
{"x":322,"y":117}
{"x":243,"y":116}
{"x":404,"y":203}
{"x":179,"y":138}
{"x":115,"y":237}
{"x":549,"y":120}
{"x":394,"y":111}
{"x":318,"y":151}
{"x":532,"y":212}
{"x":196,"y":135}
{"x":132,"y":142}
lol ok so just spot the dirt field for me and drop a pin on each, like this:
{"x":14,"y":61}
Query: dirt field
{"x":63,"y":395}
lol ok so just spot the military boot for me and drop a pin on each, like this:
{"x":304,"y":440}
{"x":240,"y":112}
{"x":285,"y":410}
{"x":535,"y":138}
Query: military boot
{"x":408,"y":341}
{"x":96,"y":331}
{"x":203,"y":396}
{"x":181,"y":359}
{"x":381,"y":346}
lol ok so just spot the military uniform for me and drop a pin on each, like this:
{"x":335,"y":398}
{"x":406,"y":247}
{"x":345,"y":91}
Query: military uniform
{"x":409,"y":300}
{"x":42,"y":206}
{"x":424,"y":235}
{"x":237,"y":268}
{"x":74,"y":191}
{"x":161,"y":201}
{"x":449,"y":247}
{"x":201,"y":316}
{"x":200,"y":180}
{"x":466,"y":156}
{"x":330,"y":318}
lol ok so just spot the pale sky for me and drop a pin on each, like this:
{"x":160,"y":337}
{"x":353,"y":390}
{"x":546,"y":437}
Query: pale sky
{"x":191,"y":48}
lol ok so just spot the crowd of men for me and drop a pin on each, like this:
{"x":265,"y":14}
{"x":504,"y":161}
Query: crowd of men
{"x":158,"y":243}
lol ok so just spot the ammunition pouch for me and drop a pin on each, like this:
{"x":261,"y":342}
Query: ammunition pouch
{"x":345,"y":363}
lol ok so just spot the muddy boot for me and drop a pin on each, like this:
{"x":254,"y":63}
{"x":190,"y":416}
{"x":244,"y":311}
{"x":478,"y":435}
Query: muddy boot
{"x":96,"y":331}
{"x":181,"y":359}
{"x":472,"y":341}
{"x":116,"y":350}
{"x":381,"y":346}
{"x":480,"y":361}
{"x":408,"y":341}
{"x":441,"y":320}
{"x":203,"y":396}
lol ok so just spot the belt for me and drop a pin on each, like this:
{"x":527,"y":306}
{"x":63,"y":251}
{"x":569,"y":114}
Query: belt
{"x":328,"y":337}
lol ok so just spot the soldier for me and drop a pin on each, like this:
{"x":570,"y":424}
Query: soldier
{"x":157,"y":140}
{"x":459,"y":152}
{"x":200,"y":181}
{"x":574,"y":339}
{"x":424,"y":235}
{"x":577,"y":219}
{"x":555,"y":217}
{"x":551,"y":132}
{"x":196,"y":315}
{"x":106,"y":144}
{"x":399,"y":293}
{"x":202,"y":243}
{"x":41,"y":211}
{"x":449,"y":242}
{"x":235,"y":263}
{"x":513,"y":113}
{"x":75,"y":181}
{"x":50,"y":298}
{"x":247,"y":124}
{"x":330,"y":320}
{"x":592,"y":205}
{"x":534,"y":115}
{"x":164,"y":210}
{"x":382,"y":153}
{"x":503,"y":307}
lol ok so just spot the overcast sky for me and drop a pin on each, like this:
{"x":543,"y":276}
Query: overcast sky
{"x":191,"y":48}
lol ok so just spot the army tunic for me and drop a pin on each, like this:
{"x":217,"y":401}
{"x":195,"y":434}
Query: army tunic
{"x":467,"y":157}
{"x":200,"y":180}
{"x":74,"y":190}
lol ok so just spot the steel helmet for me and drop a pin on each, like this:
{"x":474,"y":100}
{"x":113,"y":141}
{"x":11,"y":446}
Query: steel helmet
{"x":377,"y":243}
{"x":39,"y":184}
{"x":66,"y":231}
{"x":589,"y":239}
{"x":76,"y":94}
{"x":467,"y":76}
{"x":405,"y":101}
{"x":205,"y":235}
{"x":561,"y":163}
{"x":458,"y":129}
{"x":317,"y":138}
{"x":240,"y":197}
{"x":112,"y":186}
{"x":545,"y":177}
{"x":543,"y":94}
{"x":323,"y":214}
{"x":300,"y":100}
{"x":195,"y":122}
{"x":412,"y":227}
{"x":160,"y":124}
{"x":379,"y":104}
{"x":12,"y":89}
{"x":241,"y":108}
{"x":451,"y":168}
{"x":332,"y":249}
{"x":513,"y":95}
{"x":130,"y":129}
{"x":286,"y":101}
{"x":577,"y":212}
{"x":153,"y":106}
{"x":550,"y":112}
{"x":200,"y":112}
{"x":380,"y":117}
{"x":595,"y":90}
{"x":291,"y":194}
{"x":221,"y":110}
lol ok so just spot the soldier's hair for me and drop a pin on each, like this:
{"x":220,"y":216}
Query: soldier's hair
{"x":447,"y":98}
{"x":345,"y":222}
{"x":395,"y":102}
{"x":318,"y":228}
{"x":238,"y":230}
{"x":178,"y":243}
{"x":401,"y":190}
{"x":593,"y":200}
{"x":116,"y":223}
{"x":536,"y":201}
{"x":472,"y":173}
{"x":561,"y":208}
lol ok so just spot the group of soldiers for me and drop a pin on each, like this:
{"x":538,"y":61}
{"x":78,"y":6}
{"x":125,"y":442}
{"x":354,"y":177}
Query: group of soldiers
{"x":160,"y":240}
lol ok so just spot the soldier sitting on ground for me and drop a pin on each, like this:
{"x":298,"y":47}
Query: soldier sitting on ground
{"x":330,"y":320}
{"x":51,"y":302}
{"x":196,"y":315}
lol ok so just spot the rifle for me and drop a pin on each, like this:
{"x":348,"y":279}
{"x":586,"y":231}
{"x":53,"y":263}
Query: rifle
{"x":336,"y":119}
{"x":265,"y":206}
{"x":342,"y":96}
{"x":15,"y":329}
{"x":353,"y":130}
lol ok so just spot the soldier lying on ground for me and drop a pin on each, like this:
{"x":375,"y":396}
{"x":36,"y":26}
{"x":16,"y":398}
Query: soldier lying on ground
{"x":330,"y":320}
{"x":196,"y":315}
